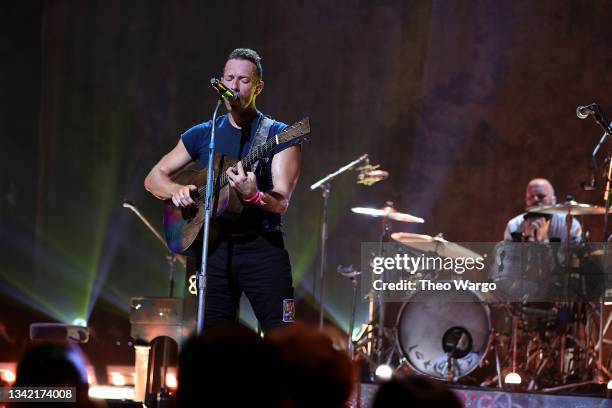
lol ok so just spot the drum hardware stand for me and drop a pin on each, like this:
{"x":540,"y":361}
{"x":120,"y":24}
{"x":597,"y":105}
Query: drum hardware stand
{"x":544,"y":361}
{"x":497,"y":378}
{"x":325,"y":186}
{"x":350,"y":273}
{"x":376,"y":326}
{"x":369,"y":338}
{"x":452,"y":375}
{"x":514,"y":341}
{"x":369,"y":343}
{"x":171,"y":258}
{"x":384,"y":237}
{"x":390,"y":353}
{"x":366,"y":338}
{"x":500,"y":384}
{"x":581,"y":351}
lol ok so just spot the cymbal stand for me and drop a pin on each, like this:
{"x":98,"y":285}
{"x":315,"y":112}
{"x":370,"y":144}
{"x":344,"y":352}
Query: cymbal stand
{"x":384,"y":237}
{"x":374,"y":336}
{"x":514,"y":341}
{"x":543,"y":362}
{"x":325,"y":186}
{"x":498,"y":369}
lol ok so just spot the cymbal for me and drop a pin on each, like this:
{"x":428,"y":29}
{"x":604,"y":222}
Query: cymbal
{"x":388,"y":212}
{"x":569,"y":207}
{"x":427,"y":243}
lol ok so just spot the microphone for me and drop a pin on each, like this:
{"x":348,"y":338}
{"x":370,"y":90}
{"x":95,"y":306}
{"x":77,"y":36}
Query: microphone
{"x":584,"y":111}
{"x":223,"y":91}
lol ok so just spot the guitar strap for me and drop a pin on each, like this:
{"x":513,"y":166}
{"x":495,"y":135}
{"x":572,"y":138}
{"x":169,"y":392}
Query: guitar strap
{"x":263,"y":131}
{"x":261,"y":135}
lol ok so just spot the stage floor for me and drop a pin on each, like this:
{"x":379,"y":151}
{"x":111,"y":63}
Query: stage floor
{"x":489,"y":398}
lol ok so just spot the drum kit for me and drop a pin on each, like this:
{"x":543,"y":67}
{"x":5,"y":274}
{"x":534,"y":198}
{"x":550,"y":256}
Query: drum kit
{"x":486,"y":339}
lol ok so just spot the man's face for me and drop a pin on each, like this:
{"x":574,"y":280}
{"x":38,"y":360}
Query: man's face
{"x":539,"y":193}
{"x":241,"y":77}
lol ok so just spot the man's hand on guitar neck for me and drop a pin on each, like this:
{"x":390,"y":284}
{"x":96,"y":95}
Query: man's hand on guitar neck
{"x":244,"y":183}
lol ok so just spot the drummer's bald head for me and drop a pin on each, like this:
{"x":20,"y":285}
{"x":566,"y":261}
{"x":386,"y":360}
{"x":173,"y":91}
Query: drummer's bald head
{"x":539,"y":191}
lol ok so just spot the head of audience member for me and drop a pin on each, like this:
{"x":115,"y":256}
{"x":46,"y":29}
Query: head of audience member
{"x":228,"y":365}
{"x":54,"y":364}
{"x":320,"y":374}
{"x":415,"y":392}
{"x":539,"y":191}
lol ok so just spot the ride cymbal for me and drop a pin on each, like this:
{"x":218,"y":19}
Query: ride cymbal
{"x":569,"y":207}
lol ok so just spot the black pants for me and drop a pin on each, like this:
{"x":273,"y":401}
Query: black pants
{"x":258,"y":266}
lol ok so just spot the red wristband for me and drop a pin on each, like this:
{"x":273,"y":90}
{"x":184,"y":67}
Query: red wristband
{"x":255,"y":199}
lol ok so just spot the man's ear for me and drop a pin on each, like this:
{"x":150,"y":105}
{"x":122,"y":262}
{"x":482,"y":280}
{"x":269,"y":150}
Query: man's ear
{"x":259,"y":87}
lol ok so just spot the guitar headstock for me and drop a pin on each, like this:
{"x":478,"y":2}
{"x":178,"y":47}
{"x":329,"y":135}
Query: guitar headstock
{"x":296,"y":131}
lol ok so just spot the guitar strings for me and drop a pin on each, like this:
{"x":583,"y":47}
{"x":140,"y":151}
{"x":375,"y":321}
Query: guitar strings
{"x":259,"y":152}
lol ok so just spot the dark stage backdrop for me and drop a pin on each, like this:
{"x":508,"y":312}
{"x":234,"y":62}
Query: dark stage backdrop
{"x":462,"y":102}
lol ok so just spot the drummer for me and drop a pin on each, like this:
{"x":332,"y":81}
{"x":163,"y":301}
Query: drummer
{"x":531,"y":227}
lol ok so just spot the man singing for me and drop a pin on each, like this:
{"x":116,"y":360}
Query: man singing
{"x":250,"y":257}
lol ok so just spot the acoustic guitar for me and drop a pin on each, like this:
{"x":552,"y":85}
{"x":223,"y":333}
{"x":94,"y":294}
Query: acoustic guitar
{"x":182,"y":225}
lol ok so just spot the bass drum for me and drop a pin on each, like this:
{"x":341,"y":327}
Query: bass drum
{"x":433,"y":332}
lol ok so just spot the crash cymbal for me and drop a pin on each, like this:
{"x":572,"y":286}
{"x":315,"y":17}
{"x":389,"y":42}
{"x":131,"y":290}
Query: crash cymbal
{"x":569,"y":207}
{"x":388,"y":212}
{"x":427,"y":243}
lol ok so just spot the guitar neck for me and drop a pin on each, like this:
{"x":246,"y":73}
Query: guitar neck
{"x":294,"y":131}
{"x":255,"y":154}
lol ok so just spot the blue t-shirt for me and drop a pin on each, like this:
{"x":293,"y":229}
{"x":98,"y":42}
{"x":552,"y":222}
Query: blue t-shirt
{"x":236,"y":143}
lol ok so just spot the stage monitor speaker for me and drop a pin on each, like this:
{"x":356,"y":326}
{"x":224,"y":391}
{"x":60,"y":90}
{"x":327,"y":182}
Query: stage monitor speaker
{"x":59,"y":331}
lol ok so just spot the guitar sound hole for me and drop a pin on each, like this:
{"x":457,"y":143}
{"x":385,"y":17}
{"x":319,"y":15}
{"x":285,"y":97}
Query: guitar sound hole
{"x":189,"y":213}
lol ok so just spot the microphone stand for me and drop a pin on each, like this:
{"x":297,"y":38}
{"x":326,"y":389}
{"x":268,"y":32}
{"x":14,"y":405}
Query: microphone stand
{"x":599,"y":370}
{"x":602,"y":121}
{"x":201,"y":275}
{"x":325,"y":186}
{"x":592,"y":184}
